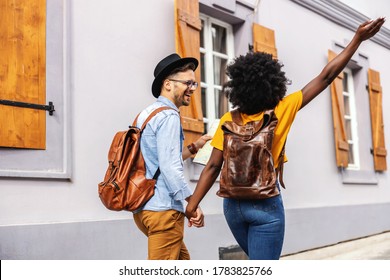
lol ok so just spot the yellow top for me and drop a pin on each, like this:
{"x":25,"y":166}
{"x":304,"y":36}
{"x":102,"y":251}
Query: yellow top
{"x":285,"y":111}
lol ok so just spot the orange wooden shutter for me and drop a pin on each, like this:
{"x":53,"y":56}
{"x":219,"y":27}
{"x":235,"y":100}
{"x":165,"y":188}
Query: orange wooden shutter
{"x":340,"y":135}
{"x":187,"y":33}
{"x":264,"y":40}
{"x":377,"y":125}
{"x":22,"y":72}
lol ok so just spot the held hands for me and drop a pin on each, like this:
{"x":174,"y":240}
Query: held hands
{"x":196,"y":218}
{"x":369,"y":28}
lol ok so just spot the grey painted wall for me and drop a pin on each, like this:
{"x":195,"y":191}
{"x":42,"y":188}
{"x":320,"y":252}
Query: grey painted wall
{"x":121,"y":239}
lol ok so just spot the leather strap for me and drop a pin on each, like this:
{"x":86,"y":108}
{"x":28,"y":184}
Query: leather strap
{"x":279,"y":171}
{"x":156,"y":174}
{"x":236,"y":117}
{"x":151,"y":115}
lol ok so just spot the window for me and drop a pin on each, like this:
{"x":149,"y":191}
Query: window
{"x":216,"y":50}
{"x":28,"y":161}
{"x":351,"y":120}
{"x":356,"y":96}
{"x":203,"y":32}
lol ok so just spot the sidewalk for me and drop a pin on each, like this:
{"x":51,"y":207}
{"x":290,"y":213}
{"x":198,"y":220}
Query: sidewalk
{"x":375,"y":247}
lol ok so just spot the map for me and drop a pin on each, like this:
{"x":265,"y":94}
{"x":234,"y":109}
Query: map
{"x":203,"y":155}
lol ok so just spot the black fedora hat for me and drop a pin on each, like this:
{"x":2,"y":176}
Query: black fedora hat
{"x":166,"y":66}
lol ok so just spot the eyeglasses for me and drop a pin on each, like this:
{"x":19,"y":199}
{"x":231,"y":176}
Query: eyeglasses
{"x":189,"y":83}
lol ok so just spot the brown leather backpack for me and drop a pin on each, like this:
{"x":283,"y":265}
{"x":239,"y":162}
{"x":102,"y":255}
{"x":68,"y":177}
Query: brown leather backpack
{"x":125,"y":186}
{"x":248,"y":171}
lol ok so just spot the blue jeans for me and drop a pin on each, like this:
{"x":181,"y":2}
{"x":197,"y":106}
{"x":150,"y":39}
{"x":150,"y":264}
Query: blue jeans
{"x":257,"y":226}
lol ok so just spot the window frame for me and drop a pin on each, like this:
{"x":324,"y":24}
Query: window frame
{"x":207,"y":50}
{"x":352,"y":118}
{"x":365,"y":175}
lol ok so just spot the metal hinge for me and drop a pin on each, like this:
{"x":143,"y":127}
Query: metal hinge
{"x":49,"y":107}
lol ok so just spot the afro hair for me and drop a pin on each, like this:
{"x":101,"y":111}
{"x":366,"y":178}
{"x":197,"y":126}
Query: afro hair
{"x":256,"y":83}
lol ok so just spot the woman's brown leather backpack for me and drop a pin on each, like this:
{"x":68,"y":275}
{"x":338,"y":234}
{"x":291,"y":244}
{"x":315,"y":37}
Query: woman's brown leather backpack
{"x":248,"y":171}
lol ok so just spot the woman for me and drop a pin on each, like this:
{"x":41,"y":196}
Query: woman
{"x":257,"y":84}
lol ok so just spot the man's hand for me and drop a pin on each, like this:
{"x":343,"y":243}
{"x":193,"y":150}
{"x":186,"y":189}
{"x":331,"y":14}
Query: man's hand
{"x":198,"y":144}
{"x":196,"y":218}
{"x":202,"y":140}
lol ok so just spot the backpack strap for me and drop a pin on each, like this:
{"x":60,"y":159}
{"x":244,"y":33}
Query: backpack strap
{"x":151,"y":115}
{"x":156,"y":174}
{"x":279,"y":171}
{"x":236,"y":117}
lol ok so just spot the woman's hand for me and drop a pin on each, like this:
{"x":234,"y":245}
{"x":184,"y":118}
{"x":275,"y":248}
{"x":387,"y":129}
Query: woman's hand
{"x":369,"y":28}
{"x":196,"y":218}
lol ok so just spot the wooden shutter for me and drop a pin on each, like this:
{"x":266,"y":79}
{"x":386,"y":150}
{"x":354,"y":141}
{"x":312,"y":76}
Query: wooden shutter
{"x":264,"y":40}
{"x":187,"y":33}
{"x":340,"y":135}
{"x":22,"y":72}
{"x":377,"y":125}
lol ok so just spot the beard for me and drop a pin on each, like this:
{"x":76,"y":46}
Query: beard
{"x":184,"y":98}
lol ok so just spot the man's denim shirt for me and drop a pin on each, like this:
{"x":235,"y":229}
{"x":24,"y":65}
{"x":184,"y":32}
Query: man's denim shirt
{"x":162,"y":146}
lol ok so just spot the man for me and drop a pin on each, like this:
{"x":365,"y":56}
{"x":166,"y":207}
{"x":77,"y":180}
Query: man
{"x":161,"y":219}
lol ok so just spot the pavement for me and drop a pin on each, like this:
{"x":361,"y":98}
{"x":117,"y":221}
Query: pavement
{"x":375,"y":247}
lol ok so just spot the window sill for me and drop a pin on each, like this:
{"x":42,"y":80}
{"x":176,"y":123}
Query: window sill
{"x":359,"y":177}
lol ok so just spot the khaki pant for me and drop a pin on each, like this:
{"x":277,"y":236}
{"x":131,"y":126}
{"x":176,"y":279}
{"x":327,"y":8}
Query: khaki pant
{"x":165,"y":232}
